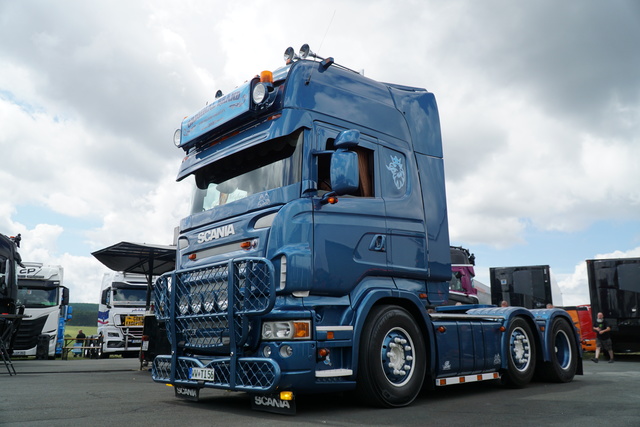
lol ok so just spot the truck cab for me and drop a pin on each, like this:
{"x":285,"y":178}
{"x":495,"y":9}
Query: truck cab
{"x":123,"y":299}
{"x":317,"y":248}
{"x":46,"y":303}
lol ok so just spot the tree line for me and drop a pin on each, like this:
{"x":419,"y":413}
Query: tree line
{"x":84,"y":314}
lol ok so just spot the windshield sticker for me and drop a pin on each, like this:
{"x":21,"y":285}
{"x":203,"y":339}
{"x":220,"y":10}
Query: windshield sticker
{"x":397,"y":170}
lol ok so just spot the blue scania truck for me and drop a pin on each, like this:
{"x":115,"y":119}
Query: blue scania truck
{"x":316,"y":257}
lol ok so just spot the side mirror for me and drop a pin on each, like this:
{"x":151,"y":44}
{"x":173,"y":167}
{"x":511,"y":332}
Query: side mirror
{"x":65,"y":296}
{"x":347,"y":139}
{"x":345,"y":174}
{"x":103,"y":300}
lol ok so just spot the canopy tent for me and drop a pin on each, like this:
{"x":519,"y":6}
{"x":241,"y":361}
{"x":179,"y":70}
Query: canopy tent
{"x":142,"y":258}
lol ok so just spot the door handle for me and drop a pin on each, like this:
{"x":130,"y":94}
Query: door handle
{"x":378,"y":243}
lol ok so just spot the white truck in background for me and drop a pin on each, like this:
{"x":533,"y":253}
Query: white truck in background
{"x":123,"y":298}
{"x":46,"y":303}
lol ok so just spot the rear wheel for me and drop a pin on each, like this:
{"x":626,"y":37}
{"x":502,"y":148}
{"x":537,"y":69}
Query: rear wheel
{"x":564,"y":355}
{"x":392,"y":359}
{"x":521,"y":354}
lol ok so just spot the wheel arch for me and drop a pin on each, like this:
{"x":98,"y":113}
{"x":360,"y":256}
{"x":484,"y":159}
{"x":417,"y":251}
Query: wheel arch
{"x":408,"y":301}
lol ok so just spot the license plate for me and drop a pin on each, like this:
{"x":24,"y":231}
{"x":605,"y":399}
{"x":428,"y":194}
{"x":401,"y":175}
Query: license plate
{"x":203,"y":374}
{"x":133,"y":321}
{"x":145,"y":346}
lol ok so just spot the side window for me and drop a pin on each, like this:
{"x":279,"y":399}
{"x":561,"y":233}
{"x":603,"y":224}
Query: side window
{"x":365,"y":165}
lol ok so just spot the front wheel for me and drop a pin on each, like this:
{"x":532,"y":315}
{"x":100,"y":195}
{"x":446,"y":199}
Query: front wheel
{"x":564,"y":355}
{"x":392,"y":360}
{"x":521,"y":354}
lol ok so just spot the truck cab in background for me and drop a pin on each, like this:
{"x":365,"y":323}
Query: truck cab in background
{"x":531,"y":286}
{"x":463,"y":287}
{"x":121,"y":311}
{"x":9,"y":264}
{"x":614,"y":288}
{"x":46,"y":302}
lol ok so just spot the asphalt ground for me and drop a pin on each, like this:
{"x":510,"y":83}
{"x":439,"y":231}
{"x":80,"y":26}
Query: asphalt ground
{"x":115,"y":392}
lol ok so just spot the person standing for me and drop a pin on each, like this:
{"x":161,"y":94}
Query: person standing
{"x":80,"y":338}
{"x":603,"y":338}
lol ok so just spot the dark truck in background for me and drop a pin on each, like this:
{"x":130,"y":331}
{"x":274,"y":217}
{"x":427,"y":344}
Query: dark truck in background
{"x":614,"y":288}
{"x":523,"y":286}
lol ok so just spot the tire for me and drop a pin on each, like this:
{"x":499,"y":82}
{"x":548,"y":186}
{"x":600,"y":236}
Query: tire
{"x":564,"y":357}
{"x":521,"y":354}
{"x":392,"y":360}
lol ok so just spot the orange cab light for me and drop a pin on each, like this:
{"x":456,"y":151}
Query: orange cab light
{"x":442,"y":329}
{"x":542,"y":328}
{"x":266,"y":77}
{"x":502,"y":329}
{"x":246,"y":245}
{"x":192,"y":256}
{"x":332,"y":200}
{"x":422,"y":296}
{"x":323,"y":352}
{"x":330,"y":335}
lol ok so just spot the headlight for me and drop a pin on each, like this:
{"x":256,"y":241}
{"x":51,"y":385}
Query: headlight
{"x":183,"y":305}
{"x":260,"y":93}
{"x":196,"y":304}
{"x":177,"y":136}
{"x":222,"y":301}
{"x":209,"y":302}
{"x":287,"y":330}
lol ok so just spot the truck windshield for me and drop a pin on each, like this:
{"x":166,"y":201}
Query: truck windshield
{"x":37,"y":297}
{"x":272,"y":164}
{"x":130,"y":296}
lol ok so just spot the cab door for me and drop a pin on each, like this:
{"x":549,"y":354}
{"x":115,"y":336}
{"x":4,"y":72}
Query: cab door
{"x":350,"y":236}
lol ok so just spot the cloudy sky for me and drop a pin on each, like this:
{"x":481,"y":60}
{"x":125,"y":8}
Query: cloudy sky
{"x":539,"y":105}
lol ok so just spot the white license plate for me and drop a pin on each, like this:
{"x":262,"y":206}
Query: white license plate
{"x":204,"y":374}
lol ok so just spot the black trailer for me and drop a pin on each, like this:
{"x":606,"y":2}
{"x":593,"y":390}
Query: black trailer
{"x":614,"y":288}
{"x":150,"y":260}
{"x":524,"y":286}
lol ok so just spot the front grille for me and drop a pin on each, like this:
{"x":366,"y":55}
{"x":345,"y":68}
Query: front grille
{"x":27,"y":336}
{"x":212,"y":306}
{"x":251,"y":374}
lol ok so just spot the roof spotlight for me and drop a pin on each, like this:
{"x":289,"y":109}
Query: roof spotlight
{"x":305,"y":51}
{"x":289,"y":55}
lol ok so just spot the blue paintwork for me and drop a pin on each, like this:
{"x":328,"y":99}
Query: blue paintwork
{"x":343,"y":259}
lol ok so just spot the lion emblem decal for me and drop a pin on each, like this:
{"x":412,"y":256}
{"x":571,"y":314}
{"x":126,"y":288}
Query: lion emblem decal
{"x":397,"y":170}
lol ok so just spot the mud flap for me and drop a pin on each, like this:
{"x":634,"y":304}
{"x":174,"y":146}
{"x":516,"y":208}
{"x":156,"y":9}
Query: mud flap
{"x":272,"y":403}
{"x":187,"y":393}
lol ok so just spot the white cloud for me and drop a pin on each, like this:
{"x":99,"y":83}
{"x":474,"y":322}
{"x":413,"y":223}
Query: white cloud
{"x":540,"y":128}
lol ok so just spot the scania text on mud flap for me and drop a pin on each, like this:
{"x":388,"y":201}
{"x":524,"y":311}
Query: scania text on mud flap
{"x":316,"y":257}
